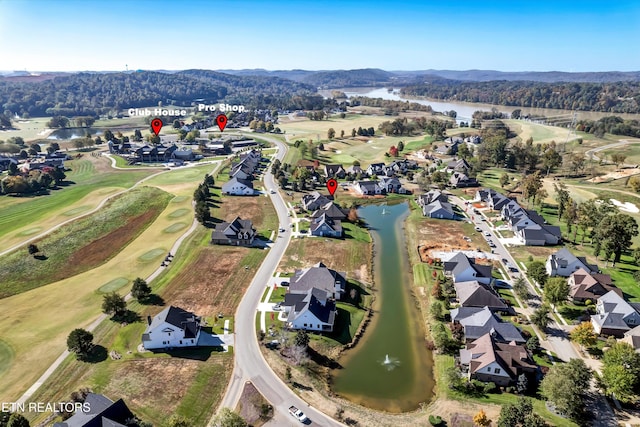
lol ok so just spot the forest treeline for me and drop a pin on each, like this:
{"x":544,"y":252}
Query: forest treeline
{"x":618,"y":97}
{"x":86,"y":94}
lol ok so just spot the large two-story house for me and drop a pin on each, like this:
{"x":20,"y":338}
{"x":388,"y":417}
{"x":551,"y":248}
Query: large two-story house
{"x":172,"y":327}
{"x":563,"y":263}
{"x":615,"y":316}
{"x":584,"y":285}
{"x":486,"y":359}
{"x":314,"y":201}
{"x":465,"y":269}
{"x":321,"y":277}
{"x":478,"y":321}
{"x":239,"y":232}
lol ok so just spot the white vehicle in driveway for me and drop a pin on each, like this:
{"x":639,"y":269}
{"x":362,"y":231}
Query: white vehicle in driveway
{"x":297,"y":414}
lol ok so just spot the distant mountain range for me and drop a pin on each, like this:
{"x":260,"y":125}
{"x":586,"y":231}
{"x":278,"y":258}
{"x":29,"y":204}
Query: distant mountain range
{"x":377,"y":77}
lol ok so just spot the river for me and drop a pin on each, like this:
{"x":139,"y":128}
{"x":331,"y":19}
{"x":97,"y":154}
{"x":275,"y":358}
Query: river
{"x":390,"y":369}
{"x":465,"y":110}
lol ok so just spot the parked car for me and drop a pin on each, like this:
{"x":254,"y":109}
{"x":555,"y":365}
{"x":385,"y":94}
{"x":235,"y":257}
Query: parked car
{"x":486,"y":233}
{"x":478,"y":229}
{"x":504,"y":260}
{"x":284,"y":283}
{"x":513,"y":270}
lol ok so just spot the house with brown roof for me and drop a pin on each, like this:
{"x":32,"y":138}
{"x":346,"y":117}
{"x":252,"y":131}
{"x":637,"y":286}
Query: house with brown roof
{"x":488,"y":360}
{"x":584,"y":285}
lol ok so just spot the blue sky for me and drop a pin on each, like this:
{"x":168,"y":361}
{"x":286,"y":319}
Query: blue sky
{"x":72,"y":35}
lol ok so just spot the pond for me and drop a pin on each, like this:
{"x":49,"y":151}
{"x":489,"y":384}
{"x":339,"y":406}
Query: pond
{"x":390,"y":369}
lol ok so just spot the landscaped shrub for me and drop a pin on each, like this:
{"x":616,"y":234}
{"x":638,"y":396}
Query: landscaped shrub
{"x":435,"y":420}
{"x":490,"y":388}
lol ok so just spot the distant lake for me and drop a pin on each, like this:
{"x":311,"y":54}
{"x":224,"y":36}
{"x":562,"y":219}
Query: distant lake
{"x":73,"y":133}
{"x":466,"y":109}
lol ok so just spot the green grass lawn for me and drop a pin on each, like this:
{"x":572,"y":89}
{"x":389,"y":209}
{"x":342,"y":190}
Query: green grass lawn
{"x":18,"y":212}
{"x":508,"y":296}
{"x":83,"y":244}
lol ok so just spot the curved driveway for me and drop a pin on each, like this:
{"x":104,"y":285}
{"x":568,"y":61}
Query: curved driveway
{"x":250,"y":365}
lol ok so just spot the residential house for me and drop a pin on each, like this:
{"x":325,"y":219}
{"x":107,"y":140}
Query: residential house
{"x":321,"y":277}
{"x":172,"y":327}
{"x":438,"y":209}
{"x":331,"y":210}
{"x":473,"y":294}
{"x":563,"y":263}
{"x":312,"y":311}
{"x":99,"y":411}
{"x":465,"y":269}
{"x":356,"y":170}
{"x":492,"y":198}
{"x":431,"y":196}
{"x":391,"y":185}
{"x":461,"y":180}
{"x":377,"y":169}
{"x":368,"y":188}
{"x":241,"y":173}
{"x":458,"y":166}
{"x":334,"y":171}
{"x":529,"y":226}
{"x":314,"y":201}
{"x":584,"y":285}
{"x":239,"y":232}
{"x":489,"y":360}
{"x":615,"y":316}
{"x":632,"y":337}
{"x":477,"y":322}
{"x":323,"y":226}
{"x":238,"y":187}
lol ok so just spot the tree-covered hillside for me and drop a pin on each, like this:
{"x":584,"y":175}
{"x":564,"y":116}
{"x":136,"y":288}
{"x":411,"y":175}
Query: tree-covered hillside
{"x":619,"y":97}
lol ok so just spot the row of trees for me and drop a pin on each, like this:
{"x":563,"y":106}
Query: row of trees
{"x":616,"y":97}
{"x":32,"y":182}
{"x":200,"y":197}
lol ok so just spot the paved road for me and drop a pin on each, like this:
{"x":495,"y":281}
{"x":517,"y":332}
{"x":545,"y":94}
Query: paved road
{"x":250,"y":365}
{"x":556,"y":334}
{"x":103,"y":316}
{"x":622,"y":142}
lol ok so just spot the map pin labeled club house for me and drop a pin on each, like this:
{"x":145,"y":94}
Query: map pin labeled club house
{"x":221,"y":120}
{"x":156,"y":125}
{"x":332,"y":186}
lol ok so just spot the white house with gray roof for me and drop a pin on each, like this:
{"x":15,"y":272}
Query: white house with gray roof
{"x":563,"y":263}
{"x":478,"y":321}
{"x":615,"y":316}
{"x":313,"y":311}
{"x":172,"y":327}
{"x":465,"y":269}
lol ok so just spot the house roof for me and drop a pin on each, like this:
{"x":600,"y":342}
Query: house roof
{"x":485,"y":350}
{"x":478,"y":322}
{"x":458,"y":165}
{"x":370,"y":186}
{"x":587,"y":285}
{"x":325,"y":220}
{"x":632,"y":337}
{"x":226,"y":230}
{"x":101,"y":412}
{"x":332,"y":211}
{"x":333,"y":168}
{"x":473,"y":294}
{"x":318,"y":276}
{"x":564,"y":257}
{"x":315,"y":197}
{"x":459,"y":263}
{"x":177,"y":317}
{"x":438,"y":206}
{"x":316,"y":302}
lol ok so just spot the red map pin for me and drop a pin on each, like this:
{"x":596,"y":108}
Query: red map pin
{"x":332,"y":186}
{"x":222,"y":121}
{"x":156,"y":125}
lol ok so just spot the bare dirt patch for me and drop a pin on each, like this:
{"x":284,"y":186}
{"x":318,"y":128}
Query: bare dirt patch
{"x":202,"y":287}
{"x":440,"y":235}
{"x":250,"y":405}
{"x":245,"y":207}
{"x":342,"y":255}
{"x":624,"y":173}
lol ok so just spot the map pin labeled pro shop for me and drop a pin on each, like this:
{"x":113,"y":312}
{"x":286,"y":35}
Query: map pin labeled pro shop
{"x":221,"y":120}
{"x":156,"y":125}
{"x":332,"y":186}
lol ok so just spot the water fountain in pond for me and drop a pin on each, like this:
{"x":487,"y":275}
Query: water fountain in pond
{"x":390,"y":363}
